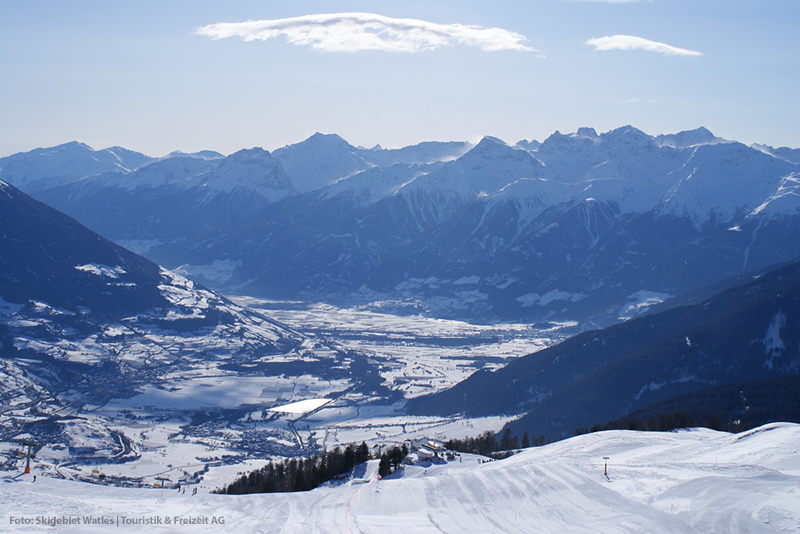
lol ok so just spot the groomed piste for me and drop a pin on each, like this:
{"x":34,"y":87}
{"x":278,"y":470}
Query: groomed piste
{"x":686,"y":481}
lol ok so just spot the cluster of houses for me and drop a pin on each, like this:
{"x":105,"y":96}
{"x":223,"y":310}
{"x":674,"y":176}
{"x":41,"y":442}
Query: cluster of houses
{"x":427,"y":452}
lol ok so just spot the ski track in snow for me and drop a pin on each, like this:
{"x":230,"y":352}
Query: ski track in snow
{"x":687,"y":481}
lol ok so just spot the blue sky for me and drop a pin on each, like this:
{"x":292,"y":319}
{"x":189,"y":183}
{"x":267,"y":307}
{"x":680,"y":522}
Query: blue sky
{"x":160,"y":76}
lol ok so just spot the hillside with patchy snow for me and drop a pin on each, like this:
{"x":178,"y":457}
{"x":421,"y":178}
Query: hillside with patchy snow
{"x":748,"y":332}
{"x":93,"y":336}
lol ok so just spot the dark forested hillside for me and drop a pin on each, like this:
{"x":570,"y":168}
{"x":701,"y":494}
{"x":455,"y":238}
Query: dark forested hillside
{"x":745,"y":333}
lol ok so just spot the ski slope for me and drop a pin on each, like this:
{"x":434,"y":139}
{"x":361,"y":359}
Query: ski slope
{"x":687,"y":481}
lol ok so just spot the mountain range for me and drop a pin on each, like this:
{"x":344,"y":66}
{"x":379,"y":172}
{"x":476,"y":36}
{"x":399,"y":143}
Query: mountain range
{"x":593,"y":228}
{"x":583,"y":226}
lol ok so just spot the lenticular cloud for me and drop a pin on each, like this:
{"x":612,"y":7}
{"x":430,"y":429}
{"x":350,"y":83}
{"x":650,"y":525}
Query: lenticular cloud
{"x":355,"y":32}
{"x":630,"y":42}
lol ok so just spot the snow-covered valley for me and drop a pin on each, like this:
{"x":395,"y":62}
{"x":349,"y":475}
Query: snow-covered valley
{"x":686,"y":481}
{"x":417,"y":354}
{"x":114,"y":367}
{"x":206,"y":416}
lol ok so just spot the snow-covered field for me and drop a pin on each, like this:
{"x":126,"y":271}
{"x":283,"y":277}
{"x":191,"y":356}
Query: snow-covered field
{"x":686,"y":481}
{"x":418,"y":354}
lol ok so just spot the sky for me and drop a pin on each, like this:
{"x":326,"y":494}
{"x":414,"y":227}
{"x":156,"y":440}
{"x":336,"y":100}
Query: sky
{"x":192,"y":75}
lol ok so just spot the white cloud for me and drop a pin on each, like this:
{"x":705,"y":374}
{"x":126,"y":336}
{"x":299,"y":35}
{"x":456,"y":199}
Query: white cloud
{"x":629,"y":42}
{"x":638,"y":101}
{"x":355,"y":32}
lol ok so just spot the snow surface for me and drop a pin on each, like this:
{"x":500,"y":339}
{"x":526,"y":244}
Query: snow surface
{"x":418,"y":355}
{"x":320,"y":160}
{"x":8,"y":308}
{"x":101,"y":270}
{"x":301,"y":407}
{"x":642,"y":300}
{"x":529,"y":299}
{"x":687,"y":481}
{"x":219,"y":271}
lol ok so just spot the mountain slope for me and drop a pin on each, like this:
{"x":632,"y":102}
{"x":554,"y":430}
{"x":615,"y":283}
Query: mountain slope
{"x":320,"y":160}
{"x":49,"y":257}
{"x":737,"y":405}
{"x":745,"y":333}
{"x":173,"y":199}
{"x":90,"y":331}
{"x":67,"y":283}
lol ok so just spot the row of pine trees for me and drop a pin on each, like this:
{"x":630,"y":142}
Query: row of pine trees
{"x":303,"y":474}
{"x":487,"y":443}
{"x":300,"y":474}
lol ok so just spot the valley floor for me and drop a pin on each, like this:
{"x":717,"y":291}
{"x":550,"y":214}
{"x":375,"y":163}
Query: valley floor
{"x":207,"y":423}
{"x":686,"y":481}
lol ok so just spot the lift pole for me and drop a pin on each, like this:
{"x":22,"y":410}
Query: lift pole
{"x":28,"y":459}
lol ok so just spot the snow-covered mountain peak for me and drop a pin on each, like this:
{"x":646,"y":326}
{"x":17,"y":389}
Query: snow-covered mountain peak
{"x":736,"y":155}
{"x":558,"y":142}
{"x":529,"y":145}
{"x":325,"y":141}
{"x":488,"y":167}
{"x":689,"y":138}
{"x":626,"y":131}
{"x":253,"y":170}
{"x":784,"y":202}
{"x":530,"y":196}
{"x":784,"y":153}
{"x":421,"y":153}
{"x":129,"y":159}
{"x":492,"y":164}
{"x":320,"y":160}
{"x":626,"y":139}
{"x":568,"y":157}
{"x":717,"y":184}
{"x":491,"y":140}
{"x":586,"y":132}
{"x":249,"y":156}
{"x":492,"y":149}
{"x":203,"y":154}
{"x":44,"y":168}
{"x":174,"y":171}
{"x":71,"y":146}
